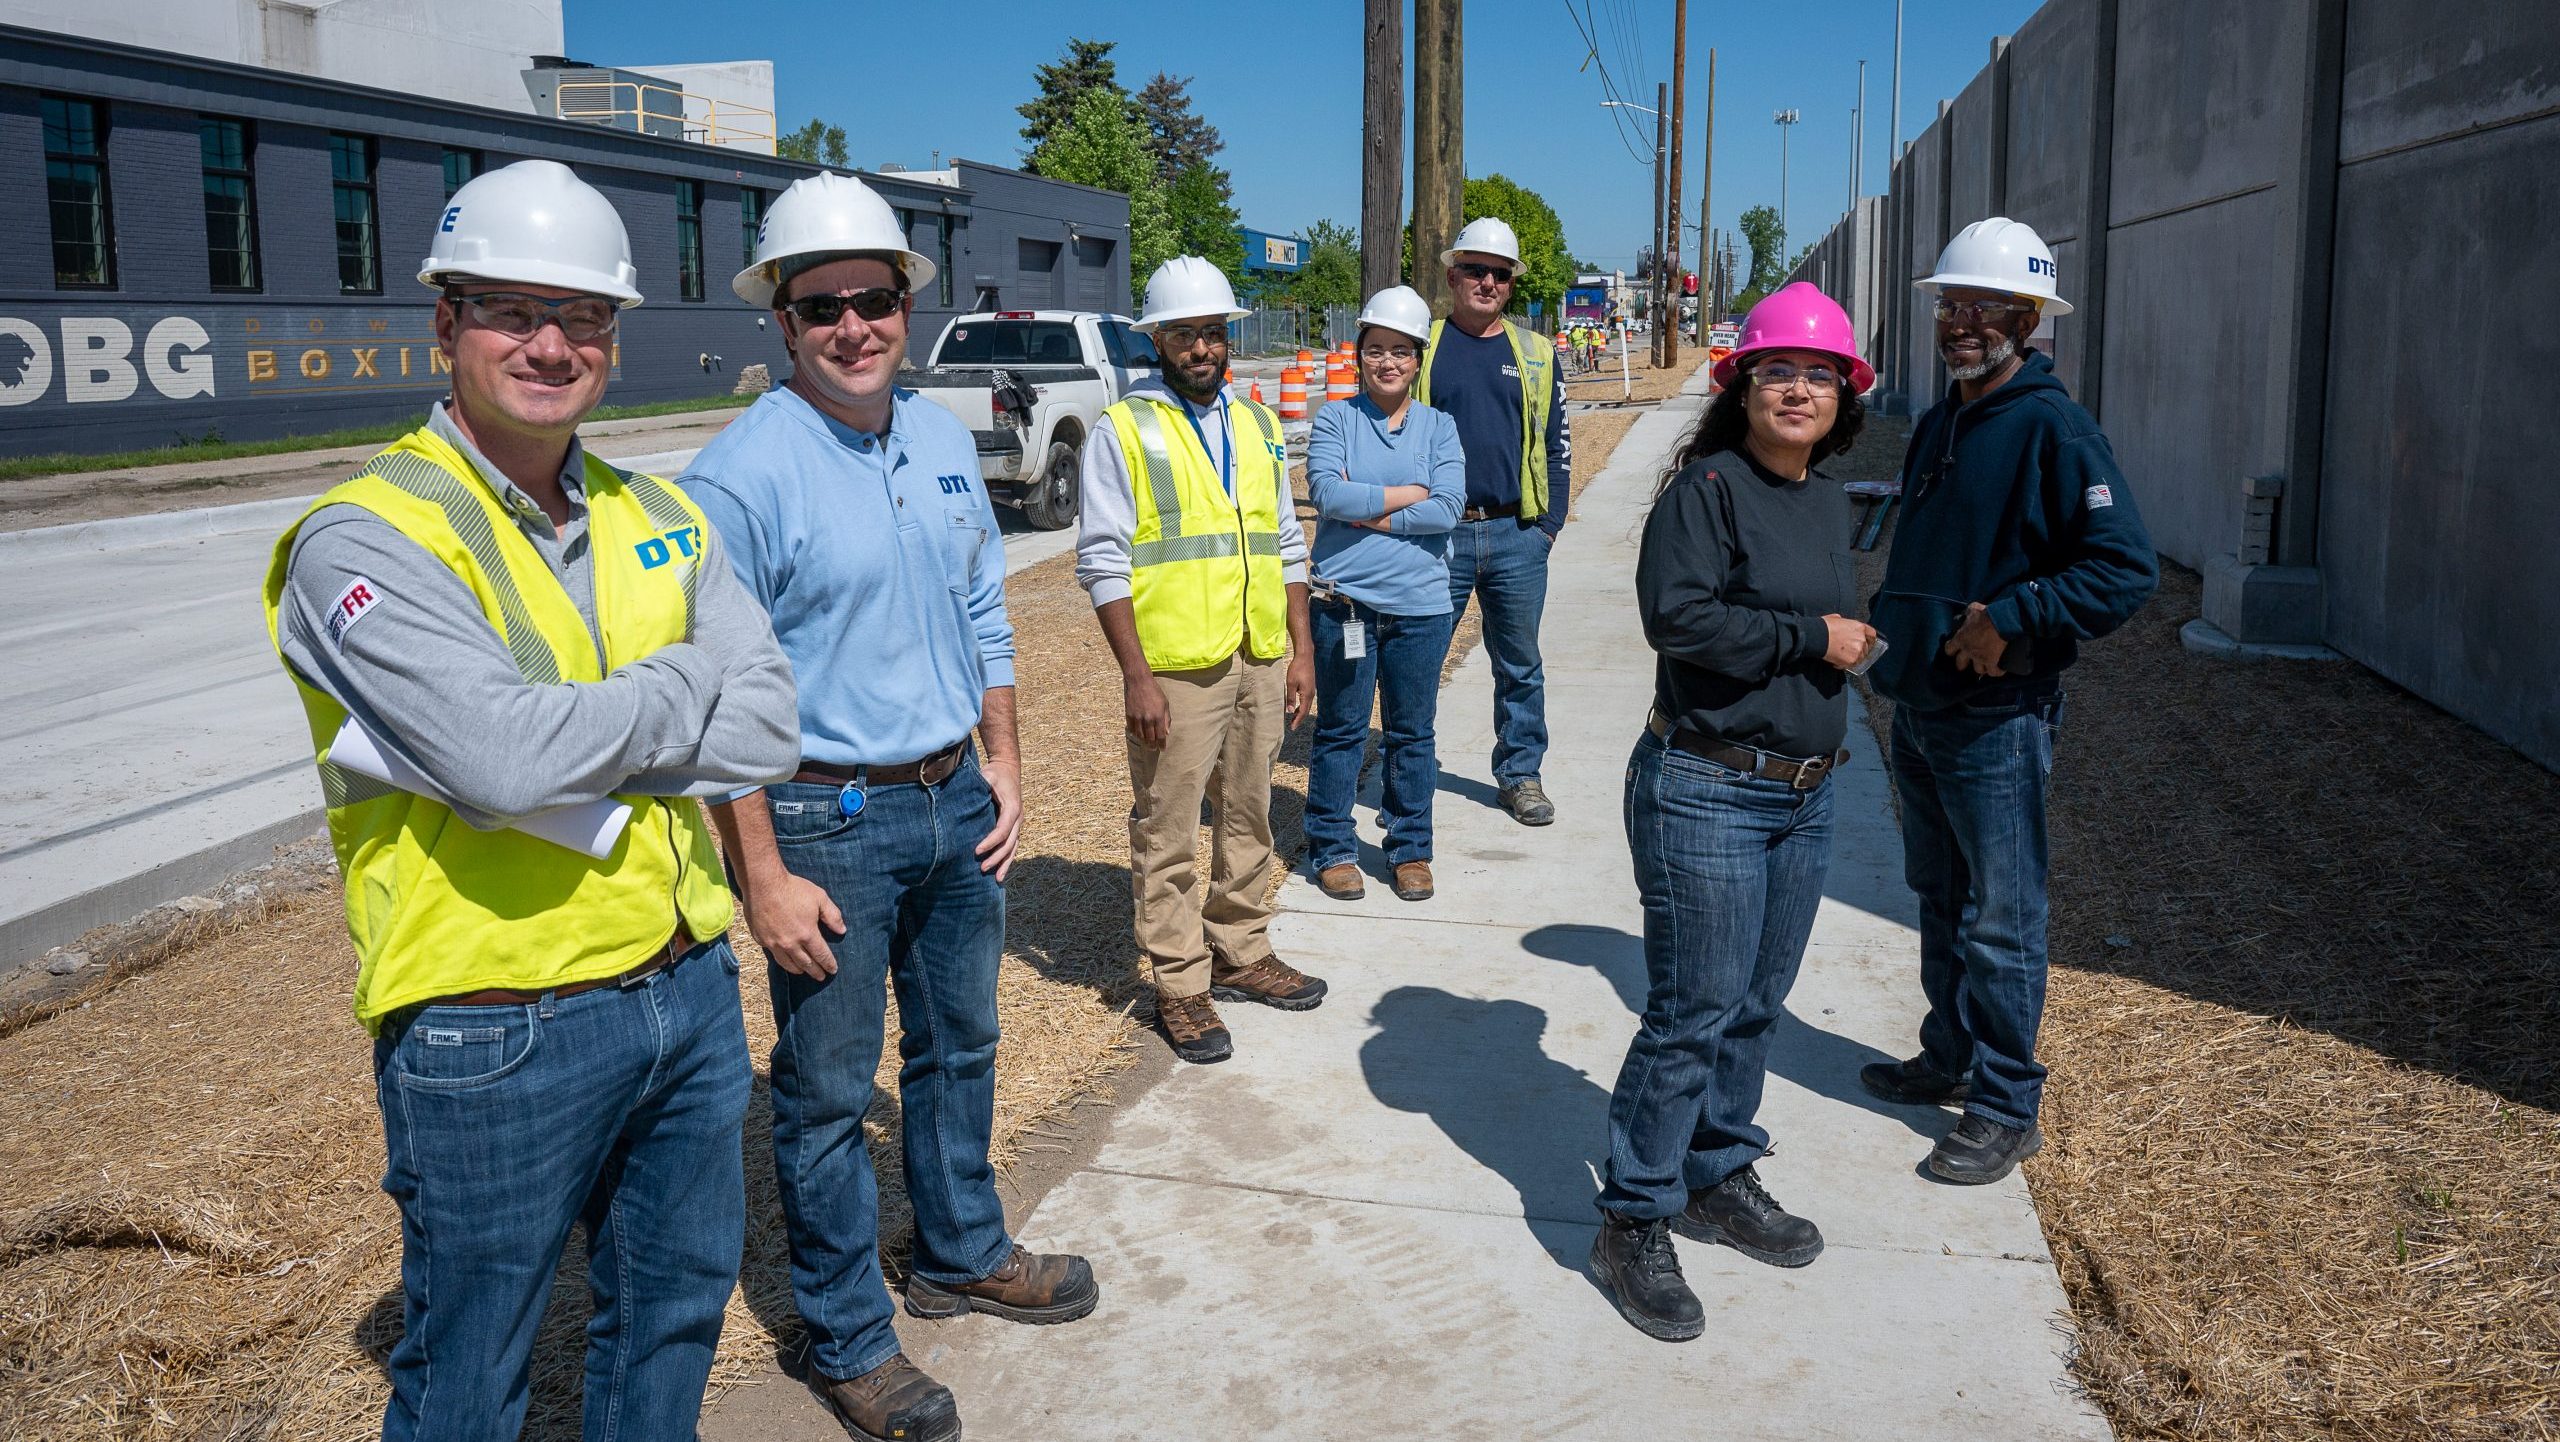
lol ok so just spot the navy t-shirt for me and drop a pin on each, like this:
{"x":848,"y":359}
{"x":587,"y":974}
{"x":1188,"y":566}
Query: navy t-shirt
{"x":1476,"y":381}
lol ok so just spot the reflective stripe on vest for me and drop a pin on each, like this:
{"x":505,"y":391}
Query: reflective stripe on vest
{"x":437,"y":908}
{"x":1537,"y":398}
{"x":1205,"y":577}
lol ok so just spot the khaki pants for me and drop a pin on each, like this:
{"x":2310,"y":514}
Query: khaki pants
{"x":1224,"y":731}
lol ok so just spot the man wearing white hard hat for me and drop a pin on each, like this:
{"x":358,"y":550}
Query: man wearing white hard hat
{"x":1499,"y":382}
{"x":1197,"y":567}
{"x":2018,"y":540}
{"x":557,"y":1040}
{"x":852,"y":510}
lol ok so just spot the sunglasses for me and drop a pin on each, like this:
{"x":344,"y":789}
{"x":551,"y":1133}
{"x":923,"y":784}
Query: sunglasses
{"x":1184,"y":337}
{"x":877,"y":303}
{"x":582,"y":318}
{"x":1477,"y":270}
{"x":1974,"y":312}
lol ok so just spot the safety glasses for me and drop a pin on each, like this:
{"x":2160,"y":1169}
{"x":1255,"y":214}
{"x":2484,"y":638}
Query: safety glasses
{"x":582,"y":318}
{"x":1174,"y":338}
{"x":1478,"y":270}
{"x":1975,"y":312}
{"x":877,"y":303}
{"x":1781,"y":376}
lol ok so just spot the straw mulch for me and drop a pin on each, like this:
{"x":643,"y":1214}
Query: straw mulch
{"x":193,"y":1239}
{"x":2302,"y":1168}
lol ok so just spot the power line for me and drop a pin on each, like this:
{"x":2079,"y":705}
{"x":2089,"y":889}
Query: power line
{"x":1608,"y":85}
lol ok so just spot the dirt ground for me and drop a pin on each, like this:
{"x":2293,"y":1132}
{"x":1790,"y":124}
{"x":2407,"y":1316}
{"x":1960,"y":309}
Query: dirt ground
{"x":2302,"y":1162}
{"x":193,"y":1240}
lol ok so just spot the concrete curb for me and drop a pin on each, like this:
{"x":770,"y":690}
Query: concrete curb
{"x":126,"y":532}
{"x":24,"y":938}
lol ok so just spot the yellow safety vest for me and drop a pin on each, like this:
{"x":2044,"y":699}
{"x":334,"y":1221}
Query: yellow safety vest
{"x":437,"y":908}
{"x":1537,"y":395}
{"x":1204,"y":568}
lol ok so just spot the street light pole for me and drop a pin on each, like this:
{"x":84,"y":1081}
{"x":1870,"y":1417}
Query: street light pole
{"x":1784,"y":119}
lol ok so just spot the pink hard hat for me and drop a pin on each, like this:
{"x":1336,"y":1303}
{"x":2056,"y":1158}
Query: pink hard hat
{"x":1798,"y":317}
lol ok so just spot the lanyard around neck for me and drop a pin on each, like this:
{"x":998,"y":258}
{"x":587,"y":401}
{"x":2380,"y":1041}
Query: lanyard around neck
{"x":1226,"y":443}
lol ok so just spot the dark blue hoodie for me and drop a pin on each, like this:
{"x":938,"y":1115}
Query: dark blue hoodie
{"x":2013,"y":500}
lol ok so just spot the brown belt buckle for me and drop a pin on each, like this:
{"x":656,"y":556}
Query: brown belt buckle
{"x":1809,"y":774}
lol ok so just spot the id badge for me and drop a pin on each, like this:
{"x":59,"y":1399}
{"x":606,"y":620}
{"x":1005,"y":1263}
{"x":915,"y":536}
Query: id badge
{"x":1355,"y":639}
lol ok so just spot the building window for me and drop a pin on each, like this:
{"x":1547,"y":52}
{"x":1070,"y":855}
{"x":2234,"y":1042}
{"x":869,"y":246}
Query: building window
{"x":359,"y":230}
{"x":942,"y":263}
{"x":75,"y":177}
{"x":230,"y":204}
{"x":461,"y":167}
{"x":689,"y":239}
{"x":750,"y":221}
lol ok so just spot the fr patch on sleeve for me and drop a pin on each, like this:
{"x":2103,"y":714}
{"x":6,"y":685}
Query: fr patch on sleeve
{"x":2098,"y":496}
{"x":353,"y":604}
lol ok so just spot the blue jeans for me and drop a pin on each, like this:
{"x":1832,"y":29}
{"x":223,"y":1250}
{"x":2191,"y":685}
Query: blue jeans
{"x":618,"y":1110}
{"x":1504,"y":562}
{"x":1401,"y":668}
{"x":918,"y":915}
{"x":1730,"y":868}
{"x":1973,"y":780}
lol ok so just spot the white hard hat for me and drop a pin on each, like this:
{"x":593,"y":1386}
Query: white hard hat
{"x":1486,"y":235}
{"x":825,"y":217}
{"x":1187,"y":286}
{"x":1399,"y":308}
{"x":2000,"y":254}
{"x":536,"y":223}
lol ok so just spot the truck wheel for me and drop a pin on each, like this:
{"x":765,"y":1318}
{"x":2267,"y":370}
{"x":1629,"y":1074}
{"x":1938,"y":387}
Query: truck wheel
{"x":1052,"y":501}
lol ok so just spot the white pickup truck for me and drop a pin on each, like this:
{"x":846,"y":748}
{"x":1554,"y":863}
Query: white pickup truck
{"x":1031,"y":385}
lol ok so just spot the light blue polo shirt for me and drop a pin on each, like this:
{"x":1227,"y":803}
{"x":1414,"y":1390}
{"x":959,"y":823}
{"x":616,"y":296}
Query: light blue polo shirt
{"x":878,"y":559}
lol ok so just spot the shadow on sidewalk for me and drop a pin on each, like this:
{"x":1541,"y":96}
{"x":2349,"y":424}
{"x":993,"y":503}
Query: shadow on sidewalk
{"x":1822,"y":1062}
{"x":1480,"y":1071}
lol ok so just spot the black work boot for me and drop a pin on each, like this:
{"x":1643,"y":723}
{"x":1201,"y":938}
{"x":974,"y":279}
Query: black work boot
{"x":1914,"y":1083}
{"x":893,"y":1402}
{"x":1981,"y":1150}
{"x":1633,"y":1262}
{"x":1740,"y":1213}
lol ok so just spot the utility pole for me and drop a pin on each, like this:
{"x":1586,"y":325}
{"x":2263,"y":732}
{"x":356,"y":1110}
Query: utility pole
{"x":1679,"y":108}
{"x":1786,"y":237}
{"x":1382,"y":148}
{"x":1661,"y":181}
{"x":1858,"y":143}
{"x":1706,"y":195}
{"x":1893,"y":123}
{"x":1439,"y":143}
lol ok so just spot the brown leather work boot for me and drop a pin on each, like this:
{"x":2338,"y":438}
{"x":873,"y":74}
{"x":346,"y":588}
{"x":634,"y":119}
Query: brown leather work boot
{"x":1190,"y":1025}
{"x":1270,"y":982}
{"x":1029,"y":1287}
{"x":1413,"y":881}
{"x":1341,"y":882}
{"x":893,"y":1402}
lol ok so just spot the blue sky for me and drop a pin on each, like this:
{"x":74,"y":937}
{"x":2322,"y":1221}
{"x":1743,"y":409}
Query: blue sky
{"x":1282,"y":84}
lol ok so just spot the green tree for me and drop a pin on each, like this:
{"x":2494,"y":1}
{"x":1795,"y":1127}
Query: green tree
{"x":1768,"y":236}
{"x":816,"y":142}
{"x":1178,"y":137}
{"x":1546,"y":265}
{"x":1086,"y":66}
{"x":1204,"y":224}
{"x":1102,"y":144}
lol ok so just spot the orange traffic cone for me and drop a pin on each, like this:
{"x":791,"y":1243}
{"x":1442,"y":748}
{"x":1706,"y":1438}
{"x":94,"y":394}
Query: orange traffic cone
{"x":1257,"y":392}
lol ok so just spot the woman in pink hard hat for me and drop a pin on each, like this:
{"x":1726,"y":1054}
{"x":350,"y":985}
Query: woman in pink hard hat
{"x":1745,"y":587}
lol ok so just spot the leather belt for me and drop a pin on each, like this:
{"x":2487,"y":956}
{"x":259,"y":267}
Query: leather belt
{"x":1489,"y":513}
{"x":1802,"y":774}
{"x":678,"y":947}
{"x":931,"y":771}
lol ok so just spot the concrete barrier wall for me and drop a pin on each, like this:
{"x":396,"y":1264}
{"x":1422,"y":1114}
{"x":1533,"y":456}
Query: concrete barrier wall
{"x":2313,"y":246}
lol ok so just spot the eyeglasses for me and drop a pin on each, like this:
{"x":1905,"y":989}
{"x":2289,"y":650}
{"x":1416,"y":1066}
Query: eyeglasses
{"x":1184,"y":337}
{"x":1478,"y":270}
{"x":1779,"y":376}
{"x":1374,"y":354}
{"x":877,"y":303}
{"x":1974,"y":312}
{"x":582,"y":318}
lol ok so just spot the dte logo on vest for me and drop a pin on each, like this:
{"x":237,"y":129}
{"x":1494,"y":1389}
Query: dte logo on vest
{"x":653,"y":552}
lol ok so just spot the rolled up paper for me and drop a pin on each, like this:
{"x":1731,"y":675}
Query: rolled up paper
{"x":590,"y":827}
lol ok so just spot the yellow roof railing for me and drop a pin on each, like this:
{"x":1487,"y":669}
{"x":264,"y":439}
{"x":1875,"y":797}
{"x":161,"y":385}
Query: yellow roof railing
{"x":627,"y":104}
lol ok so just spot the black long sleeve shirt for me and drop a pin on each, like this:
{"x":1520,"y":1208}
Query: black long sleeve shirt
{"x":1738,"y":567}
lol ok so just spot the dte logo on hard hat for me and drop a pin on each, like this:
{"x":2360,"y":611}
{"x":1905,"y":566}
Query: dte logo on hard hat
{"x":653,"y":552}
{"x":452,"y":213}
{"x":2038,"y":265}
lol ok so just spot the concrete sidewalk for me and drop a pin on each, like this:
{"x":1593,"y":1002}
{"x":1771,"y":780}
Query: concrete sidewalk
{"x":1373,"y":1221}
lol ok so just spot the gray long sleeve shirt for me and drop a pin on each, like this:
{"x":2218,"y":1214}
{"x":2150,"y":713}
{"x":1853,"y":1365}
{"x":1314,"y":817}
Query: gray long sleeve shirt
{"x":426,"y":672}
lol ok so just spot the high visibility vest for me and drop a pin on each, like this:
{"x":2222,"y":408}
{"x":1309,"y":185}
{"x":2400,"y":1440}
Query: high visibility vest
{"x":1204,"y":568}
{"x":437,"y":908}
{"x":1537,"y":395}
